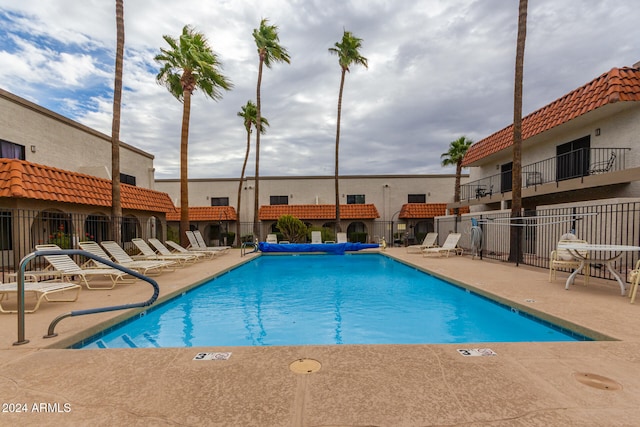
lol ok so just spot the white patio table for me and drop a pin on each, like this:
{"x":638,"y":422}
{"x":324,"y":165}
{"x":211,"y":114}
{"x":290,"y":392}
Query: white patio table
{"x":597,"y":254}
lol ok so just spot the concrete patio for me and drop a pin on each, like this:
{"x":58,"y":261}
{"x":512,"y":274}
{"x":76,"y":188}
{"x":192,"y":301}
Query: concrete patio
{"x":525,"y":384}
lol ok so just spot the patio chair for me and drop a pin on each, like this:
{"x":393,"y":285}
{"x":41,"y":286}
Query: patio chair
{"x":604,"y":166}
{"x":450,"y":245}
{"x":316,"y":237}
{"x":40,"y":290}
{"x":429,"y":241}
{"x":634,"y":278}
{"x":149,"y":253}
{"x":163,"y":250}
{"x":271,"y":238}
{"x":148,"y":268}
{"x":561,"y":259}
{"x":341,"y":237}
{"x":202,"y":244}
{"x":67,"y":268}
{"x":194,"y":243}
{"x":181,"y":250}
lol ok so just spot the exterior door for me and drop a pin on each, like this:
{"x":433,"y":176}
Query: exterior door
{"x":572,"y":159}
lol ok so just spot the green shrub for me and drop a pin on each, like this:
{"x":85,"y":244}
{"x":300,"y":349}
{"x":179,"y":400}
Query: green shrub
{"x":292,"y":228}
{"x":231,"y":237}
{"x":358,"y":237}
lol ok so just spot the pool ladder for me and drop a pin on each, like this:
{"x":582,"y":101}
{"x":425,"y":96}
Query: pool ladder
{"x":246,"y":245}
{"x":54,"y":322}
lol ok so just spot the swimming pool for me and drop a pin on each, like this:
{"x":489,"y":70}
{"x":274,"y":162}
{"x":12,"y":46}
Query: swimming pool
{"x":324,"y":299}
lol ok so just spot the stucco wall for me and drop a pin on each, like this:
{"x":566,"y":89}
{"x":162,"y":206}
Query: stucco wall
{"x":388,"y":193}
{"x":62,"y":143}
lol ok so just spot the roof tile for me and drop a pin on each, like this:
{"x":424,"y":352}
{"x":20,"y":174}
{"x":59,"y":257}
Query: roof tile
{"x":206,"y":213}
{"x":323,"y":212}
{"x":426,"y":210}
{"x":22,"y":179}
{"x":619,"y":84}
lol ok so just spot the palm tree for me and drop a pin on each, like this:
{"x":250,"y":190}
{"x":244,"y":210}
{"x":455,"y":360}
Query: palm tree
{"x":269,"y":51}
{"x":188,"y":64}
{"x":453,"y":157}
{"x":116,"y":201}
{"x":348,"y":53}
{"x":515,"y":252}
{"x":249,"y":114}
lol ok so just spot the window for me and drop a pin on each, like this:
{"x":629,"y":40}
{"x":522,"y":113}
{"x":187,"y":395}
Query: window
{"x":279,"y":200}
{"x":572,"y":158}
{"x":9,"y":150}
{"x":127,"y":179}
{"x":417,"y":198}
{"x":355,"y":199}
{"x":506,"y":178}
{"x":219,"y":201}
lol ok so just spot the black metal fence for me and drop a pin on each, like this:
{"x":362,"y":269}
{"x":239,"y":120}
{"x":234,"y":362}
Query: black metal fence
{"x":619,"y":224}
{"x":610,"y":224}
{"x":22,"y":230}
{"x":574,"y":164}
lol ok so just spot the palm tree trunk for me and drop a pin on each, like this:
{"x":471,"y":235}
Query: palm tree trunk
{"x":184,"y":176}
{"x":244,"y":167}
{"x":337,"y":181}
{"x":256,"y":204}
{"x":116,"y":201}
{"x":515,"y":252}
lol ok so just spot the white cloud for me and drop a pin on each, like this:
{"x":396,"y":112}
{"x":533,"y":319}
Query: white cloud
{"x":437,"y":70}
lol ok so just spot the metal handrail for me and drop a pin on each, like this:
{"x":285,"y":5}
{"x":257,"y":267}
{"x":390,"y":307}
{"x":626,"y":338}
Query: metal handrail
{"x":246,"y":245}
{"x":575,"y":164}
{"x":52,"y":325}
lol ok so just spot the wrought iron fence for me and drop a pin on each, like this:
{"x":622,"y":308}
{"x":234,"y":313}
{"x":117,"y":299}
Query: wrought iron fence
{"x":609,"y":224}
{"x":574,"y":164}
{"x":21,"y":230}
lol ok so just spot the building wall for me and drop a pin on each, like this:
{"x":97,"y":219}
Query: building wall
{"x":57,"y":141}
{"x":619,"y":126}
{"x":387,"y":192}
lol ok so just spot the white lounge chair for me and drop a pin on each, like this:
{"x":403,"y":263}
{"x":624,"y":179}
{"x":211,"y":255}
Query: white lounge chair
{"x":271,"y":238}
{"x":202,"y":244}
{"x":149,"y":253}
{"x":316,"y":237}
{"x":163,"y":250}
{"x":148,"y":268}
{"x":40,"y":290}
{"x":181,"y":250}
{"x":341,"y":237}
{"x":196,"y":242}
{"x":450,"y":245}
{"x":562,"y":259}
{"x":429,"y":241}
{"x":66,"y":268}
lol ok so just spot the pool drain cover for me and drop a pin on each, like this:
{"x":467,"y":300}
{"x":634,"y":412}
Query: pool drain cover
{"x":305,"y":366}
{"x":597,"y":381}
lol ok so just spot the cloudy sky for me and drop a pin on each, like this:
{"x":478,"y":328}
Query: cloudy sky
{"x":438,"y":69}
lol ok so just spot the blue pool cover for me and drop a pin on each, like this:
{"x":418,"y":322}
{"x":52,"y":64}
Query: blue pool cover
{"x":332,"y":248}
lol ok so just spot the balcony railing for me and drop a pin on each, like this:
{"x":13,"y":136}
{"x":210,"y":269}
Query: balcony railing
{"x":574,"y":164}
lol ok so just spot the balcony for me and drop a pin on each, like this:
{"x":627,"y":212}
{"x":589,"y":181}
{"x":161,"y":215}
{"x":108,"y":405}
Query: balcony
{"x":578,"y":164}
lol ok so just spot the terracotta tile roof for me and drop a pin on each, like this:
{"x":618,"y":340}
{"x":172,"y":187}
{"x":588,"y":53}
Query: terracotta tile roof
{"x":617,"y":85}
{"x":22,"y":179}
{"x":206,"y":213}
{"x":326,"y":212}
{"x":426,"y":210}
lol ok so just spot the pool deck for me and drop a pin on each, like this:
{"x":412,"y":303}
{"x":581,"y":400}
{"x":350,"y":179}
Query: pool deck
{"x":525,"y":384}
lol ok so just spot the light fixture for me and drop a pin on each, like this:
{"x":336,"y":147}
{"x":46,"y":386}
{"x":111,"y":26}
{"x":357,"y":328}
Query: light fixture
{"x":597,"y":132}
{"x":33,"y":148}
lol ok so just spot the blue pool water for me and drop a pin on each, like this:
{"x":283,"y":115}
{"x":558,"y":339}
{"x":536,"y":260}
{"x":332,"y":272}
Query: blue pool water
{"x":324,"y":299}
